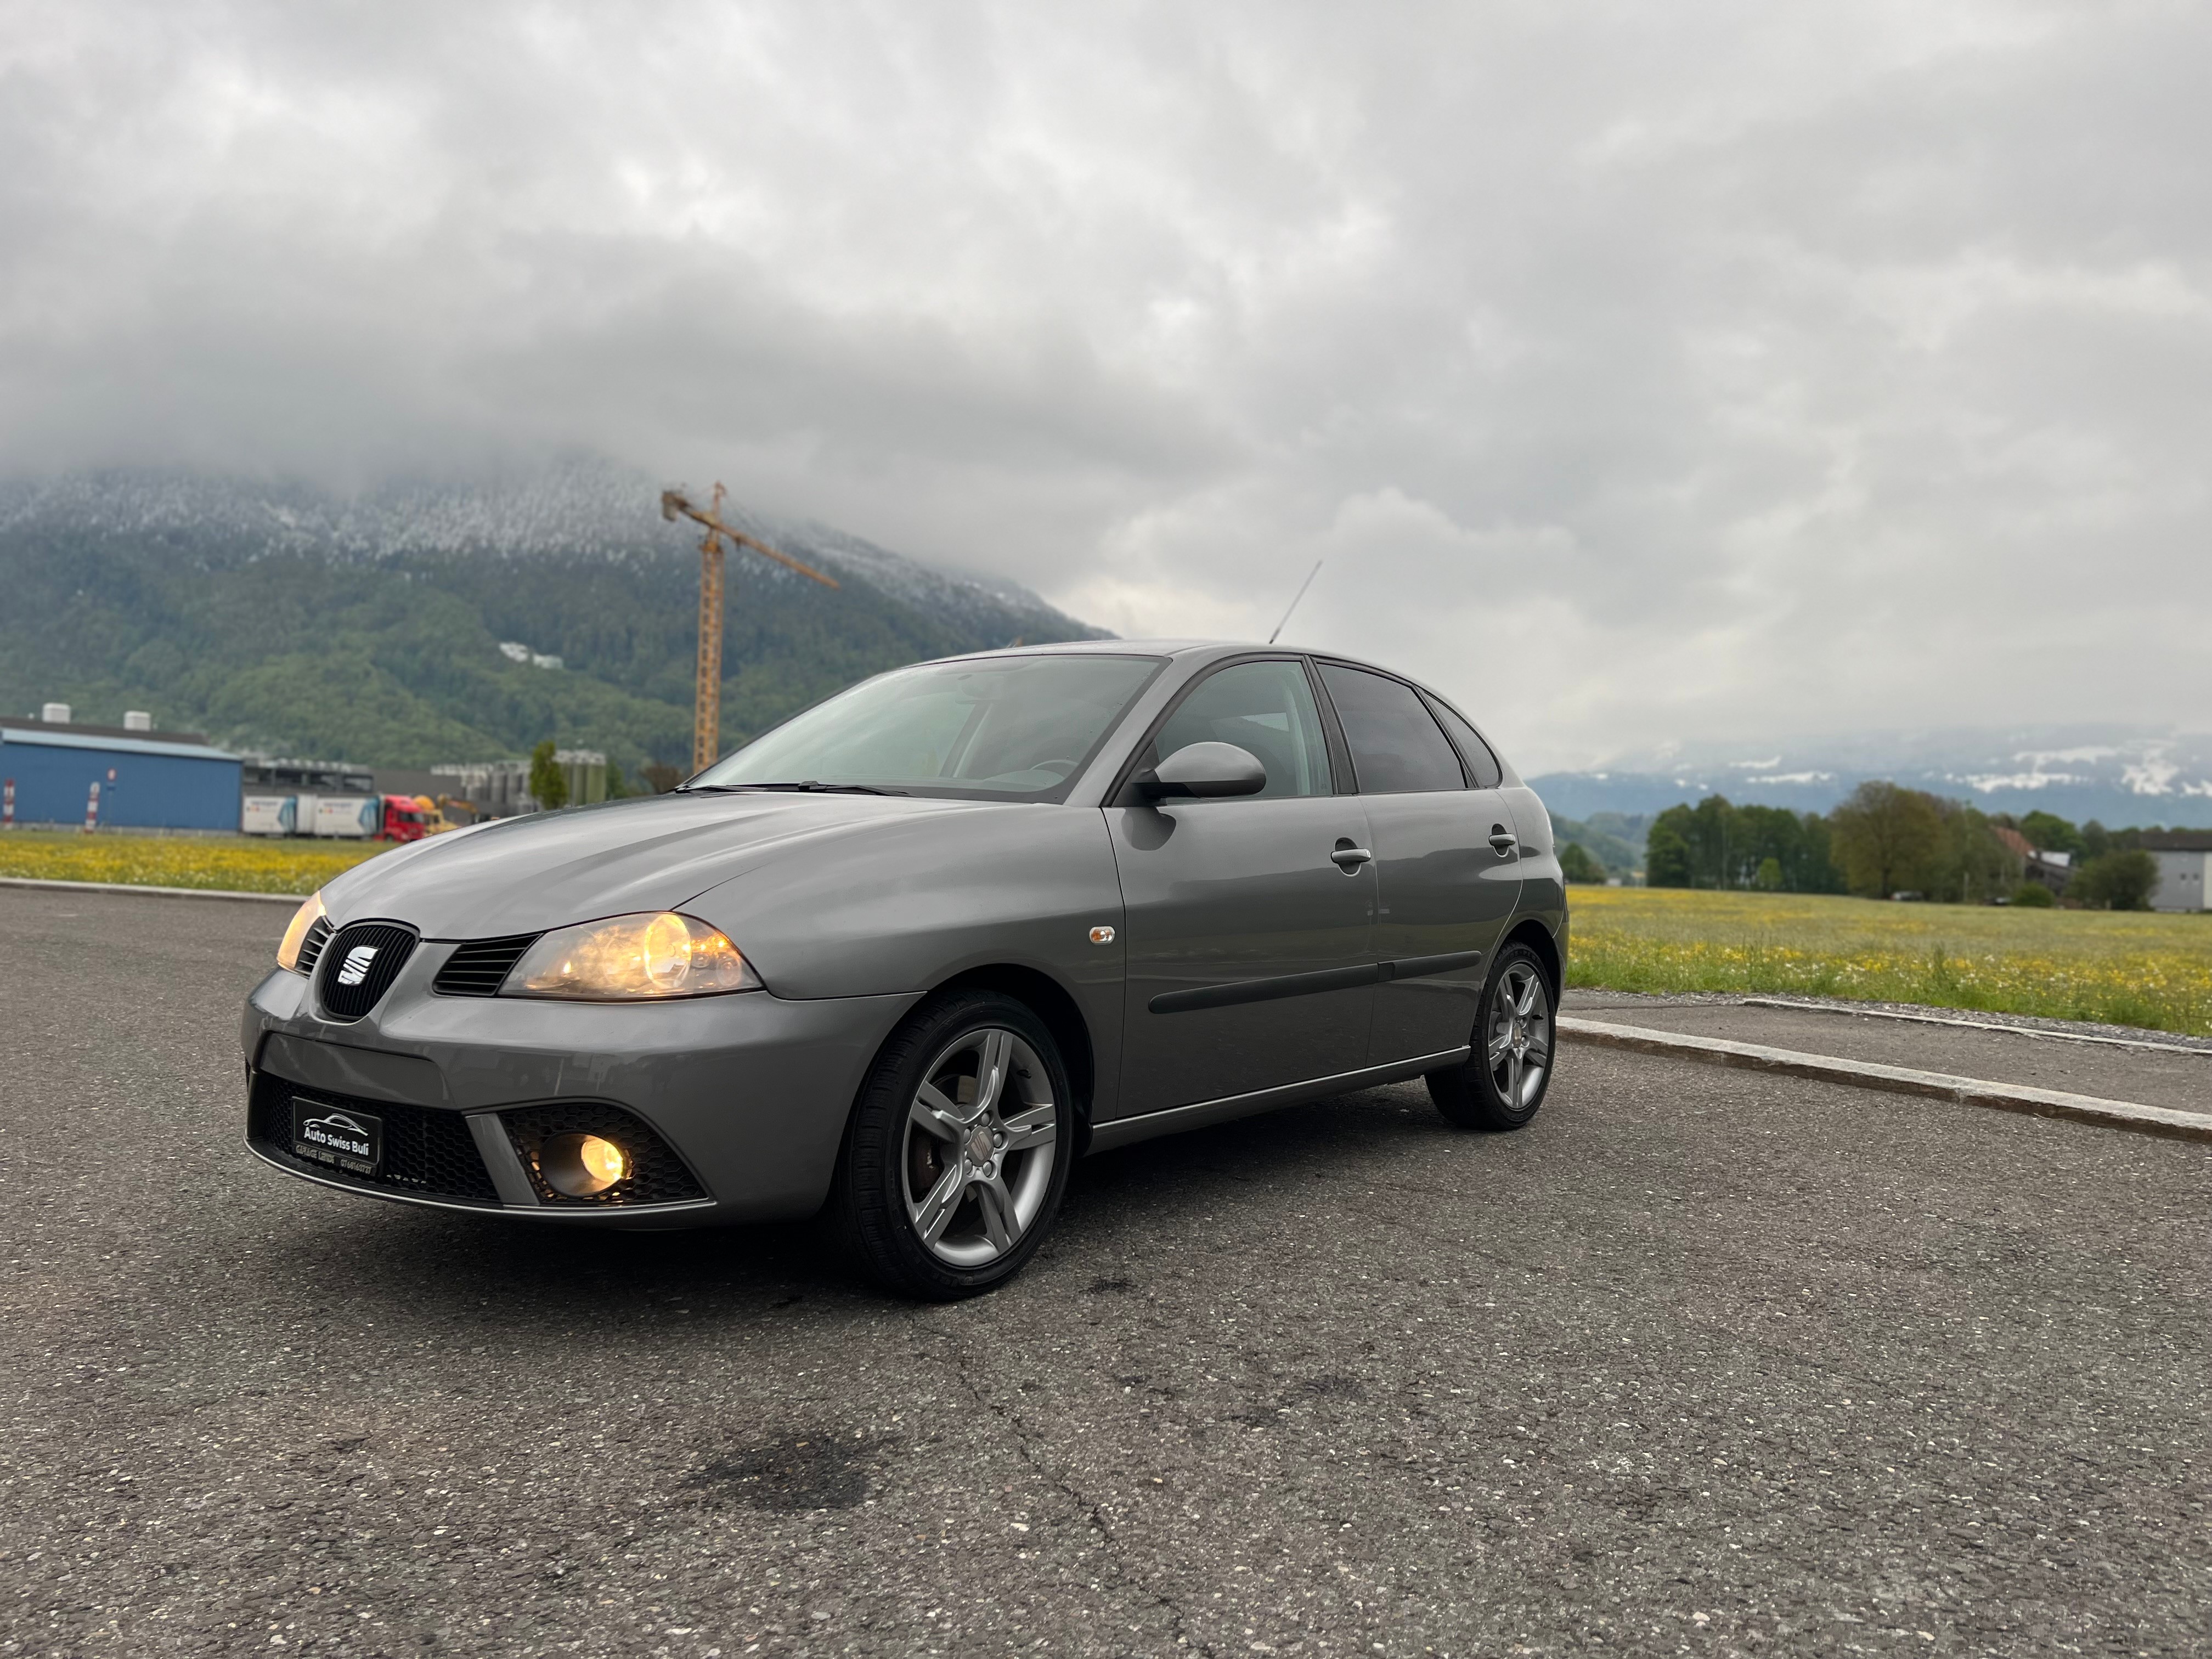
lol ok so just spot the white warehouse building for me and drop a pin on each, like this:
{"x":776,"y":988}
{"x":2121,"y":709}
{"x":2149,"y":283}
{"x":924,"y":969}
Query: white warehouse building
{"x":2185,"y":868}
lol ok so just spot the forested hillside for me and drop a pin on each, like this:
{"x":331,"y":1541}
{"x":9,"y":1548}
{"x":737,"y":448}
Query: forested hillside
{"x":292,"y":622}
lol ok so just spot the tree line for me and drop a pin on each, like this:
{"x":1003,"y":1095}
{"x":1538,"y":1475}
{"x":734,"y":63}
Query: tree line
{"x":1886,"y":839}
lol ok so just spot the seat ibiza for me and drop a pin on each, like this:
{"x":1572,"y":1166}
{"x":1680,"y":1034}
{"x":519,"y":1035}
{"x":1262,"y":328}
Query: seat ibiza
{"x":914,"y":951}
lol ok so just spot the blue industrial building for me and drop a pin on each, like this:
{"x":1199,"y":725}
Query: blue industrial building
{"x":148,"y":779}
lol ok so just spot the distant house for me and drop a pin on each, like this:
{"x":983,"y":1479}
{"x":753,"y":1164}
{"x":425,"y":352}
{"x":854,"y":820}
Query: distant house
{"x":2185,"y":868}
{"x":2046,"y":869}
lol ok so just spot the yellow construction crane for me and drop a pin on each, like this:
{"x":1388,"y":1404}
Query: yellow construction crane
{"x":706,"y":722}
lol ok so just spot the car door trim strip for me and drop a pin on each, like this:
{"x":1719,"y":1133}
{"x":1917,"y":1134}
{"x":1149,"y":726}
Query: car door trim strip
{"x":1306,"y":985}
{"x":1265,"y":990}
{"x":1422,"y":967}
{"x":1122,"y":1131}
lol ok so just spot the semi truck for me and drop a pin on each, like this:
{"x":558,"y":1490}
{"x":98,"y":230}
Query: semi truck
{"x":342,"y":817}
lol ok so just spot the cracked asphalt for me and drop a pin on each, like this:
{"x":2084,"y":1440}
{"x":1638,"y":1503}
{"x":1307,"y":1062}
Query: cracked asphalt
{"x":1702,"y":1362}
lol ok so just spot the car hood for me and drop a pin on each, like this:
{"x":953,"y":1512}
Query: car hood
{"x":523,"y":875}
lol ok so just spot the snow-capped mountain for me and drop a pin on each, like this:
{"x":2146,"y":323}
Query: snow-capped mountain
{"x":2116,"y":775}
{"x":580,"y":507}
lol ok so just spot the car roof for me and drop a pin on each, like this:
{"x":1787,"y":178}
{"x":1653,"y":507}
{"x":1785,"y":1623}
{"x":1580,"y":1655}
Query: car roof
{"x":1188,"y":650}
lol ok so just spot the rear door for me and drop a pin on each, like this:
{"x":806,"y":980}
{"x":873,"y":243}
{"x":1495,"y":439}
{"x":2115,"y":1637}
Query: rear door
{"x":1445,"y":850}
{"x":1250,"y":958}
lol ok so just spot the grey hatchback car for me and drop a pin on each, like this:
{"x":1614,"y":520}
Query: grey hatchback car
{"x":914,"y":951}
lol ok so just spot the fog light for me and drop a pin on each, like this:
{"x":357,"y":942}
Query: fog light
{"x":581,"y":1166}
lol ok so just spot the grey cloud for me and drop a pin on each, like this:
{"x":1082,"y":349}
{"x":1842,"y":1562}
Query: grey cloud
{"x":1643,"y":374}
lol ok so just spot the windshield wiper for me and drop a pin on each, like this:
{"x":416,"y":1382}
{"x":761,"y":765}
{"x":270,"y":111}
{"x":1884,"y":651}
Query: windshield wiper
{"x":810,"y":786}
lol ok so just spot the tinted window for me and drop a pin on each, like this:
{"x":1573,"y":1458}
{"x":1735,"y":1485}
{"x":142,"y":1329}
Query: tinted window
{"x":981,"y":728}
{"x":1481,"y":764}
{"x":1396,"y":748}
{"x":1267,"y":708}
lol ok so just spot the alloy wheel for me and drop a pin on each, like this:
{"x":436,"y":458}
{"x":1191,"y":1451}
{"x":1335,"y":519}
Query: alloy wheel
{"x":1518,"y":1034}
{"x":981,"y":1135}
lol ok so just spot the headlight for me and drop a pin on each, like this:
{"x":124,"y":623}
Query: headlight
{"x":287,"y":951}
{"x":630,"y":958}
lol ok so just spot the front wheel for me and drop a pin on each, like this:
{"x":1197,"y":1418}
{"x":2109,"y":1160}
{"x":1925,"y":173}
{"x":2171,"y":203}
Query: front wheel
{"x":959,"y":1148}
{"x":1501,"y":1084}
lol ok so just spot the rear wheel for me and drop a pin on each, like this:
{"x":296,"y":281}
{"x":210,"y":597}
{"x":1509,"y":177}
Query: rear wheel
{"x":1501,"y":1083}
{"x":959,"y":1147}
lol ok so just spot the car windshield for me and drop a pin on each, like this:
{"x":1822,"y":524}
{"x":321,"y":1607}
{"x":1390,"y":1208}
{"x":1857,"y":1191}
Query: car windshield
{"x":987,"y":728}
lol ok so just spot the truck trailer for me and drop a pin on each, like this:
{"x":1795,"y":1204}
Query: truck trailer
{"x":336,"y":817}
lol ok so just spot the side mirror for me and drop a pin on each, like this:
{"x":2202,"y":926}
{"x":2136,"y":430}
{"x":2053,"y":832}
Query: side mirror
{"x":1204,"y":771}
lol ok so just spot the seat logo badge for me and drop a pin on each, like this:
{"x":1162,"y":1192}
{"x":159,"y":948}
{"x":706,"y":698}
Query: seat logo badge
{"x":1101,"y":936}
{"x":355,"y":967}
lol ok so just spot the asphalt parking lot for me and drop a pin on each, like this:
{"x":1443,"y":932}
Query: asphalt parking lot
{"x":1704,"y":1361}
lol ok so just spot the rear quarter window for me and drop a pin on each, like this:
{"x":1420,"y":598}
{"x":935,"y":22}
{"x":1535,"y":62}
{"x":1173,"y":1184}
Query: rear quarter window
{"x":1481,"y":765}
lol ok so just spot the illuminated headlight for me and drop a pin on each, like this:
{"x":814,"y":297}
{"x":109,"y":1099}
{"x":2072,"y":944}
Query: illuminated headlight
{"x":631,"y":959}
{"x":296,"y":935}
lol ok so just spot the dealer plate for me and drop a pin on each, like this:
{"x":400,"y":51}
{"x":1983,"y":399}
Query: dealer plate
{"x":341,"y":1136}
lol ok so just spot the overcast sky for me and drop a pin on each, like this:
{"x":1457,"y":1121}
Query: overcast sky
{"x":1642,"y":372}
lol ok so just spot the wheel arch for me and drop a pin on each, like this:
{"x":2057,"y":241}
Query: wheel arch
{"x":1050,"y":1001}
{"x":1537,"y":938}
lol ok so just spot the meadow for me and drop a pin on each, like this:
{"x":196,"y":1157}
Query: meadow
{"x":238,"y":864}
{"x":2126,"y":967}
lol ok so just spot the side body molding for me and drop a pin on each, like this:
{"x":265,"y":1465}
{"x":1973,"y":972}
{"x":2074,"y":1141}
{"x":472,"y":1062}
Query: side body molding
{"x":1299,"y":985}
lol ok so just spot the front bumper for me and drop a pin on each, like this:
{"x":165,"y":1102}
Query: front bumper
{"x":747,"y":1096}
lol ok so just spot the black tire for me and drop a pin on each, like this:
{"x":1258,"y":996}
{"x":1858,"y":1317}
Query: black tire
{"x":1481,"y":1093}
{"x":873,"y":1198}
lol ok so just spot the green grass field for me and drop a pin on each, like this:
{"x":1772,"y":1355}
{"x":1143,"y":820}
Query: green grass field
{"x":2123,"y":967}
{"x":238,"y":864}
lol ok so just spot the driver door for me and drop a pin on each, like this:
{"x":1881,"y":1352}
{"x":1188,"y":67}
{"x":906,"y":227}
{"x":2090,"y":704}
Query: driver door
{"x":1250,"y":958}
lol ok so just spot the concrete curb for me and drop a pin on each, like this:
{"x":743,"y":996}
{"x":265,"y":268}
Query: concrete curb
{"x":2035,"y":1032}
{"x":292,"y":899}
{"x":1896,"y":1080}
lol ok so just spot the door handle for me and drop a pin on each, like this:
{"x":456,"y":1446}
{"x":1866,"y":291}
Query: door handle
{"x":1501,"y":841}
{"x":1349,"y":859}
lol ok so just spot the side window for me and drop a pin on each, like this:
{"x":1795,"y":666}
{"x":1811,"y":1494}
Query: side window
{"x":1481,"y":765}
{"x":1267,"y":708}
{"x":1396,"y":748}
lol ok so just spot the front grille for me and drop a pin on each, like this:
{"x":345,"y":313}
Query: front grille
{"x":657,"y":1175}
{"x":478,"y":967}
{"x":371,"y":955}
{"x":311,"y":947}
{"x":428,"y":1154}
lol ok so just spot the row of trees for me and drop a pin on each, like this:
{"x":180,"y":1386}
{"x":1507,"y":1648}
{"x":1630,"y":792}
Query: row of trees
{"x":1886,"y":839}
{"x":2091,"y":841}
{"x":1716,"y":843}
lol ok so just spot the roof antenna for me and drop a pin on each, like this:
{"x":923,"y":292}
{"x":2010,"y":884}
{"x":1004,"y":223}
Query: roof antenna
{"x":1295,"y":598}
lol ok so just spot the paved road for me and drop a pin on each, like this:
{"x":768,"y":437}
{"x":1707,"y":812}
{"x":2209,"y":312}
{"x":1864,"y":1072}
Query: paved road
{"x":2172,"y":1076}
{"x":1704,"y":1362}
